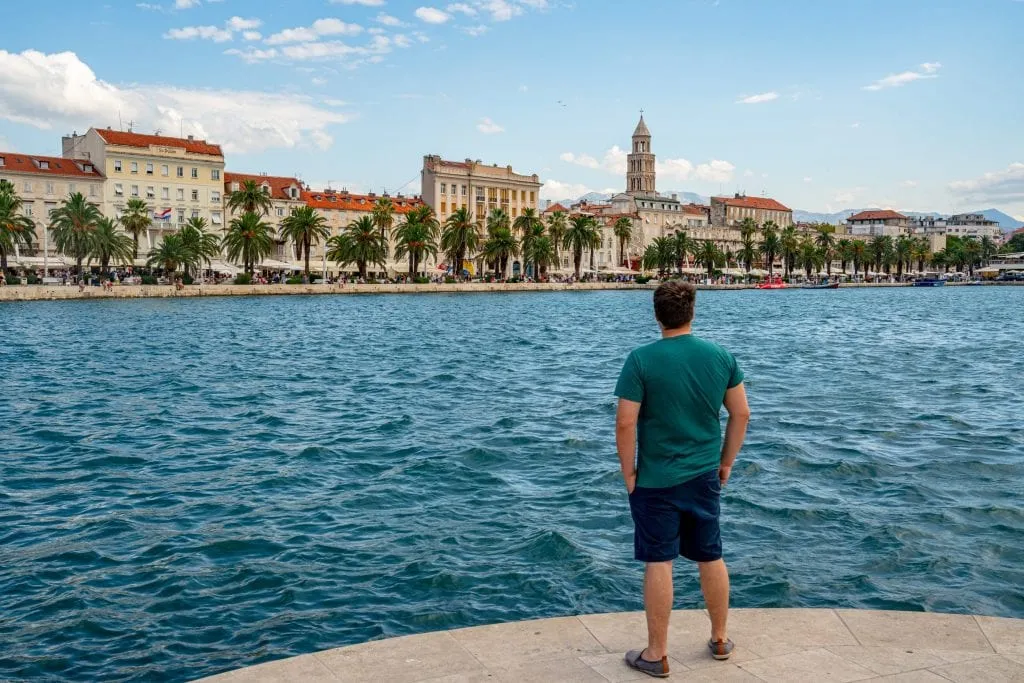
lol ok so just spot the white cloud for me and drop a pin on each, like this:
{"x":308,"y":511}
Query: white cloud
{"x":1006,"y":185}
{"x":214,"y":33}
{"x":461,"y":7}
{"x":909,"y":183}
{"x":474,"y":31}
{"x":149,"y":6}
{"x":60,"y":91}
{"x":523,"y":88}
{"x":758,"y":99}
{"x":317,"y":80}
{"x":488,"y":127}
{"x":431,"y":15}
{"x":848,"y":195}
{"x":240,"y":24}
{"x":748,"y":173}
{"x":321,"y":27}
{"x":927,"y":70}
{"x":673,"y":170}
{"x":855,"y":124}
{"x":557,"y":190}
{"x":401,"y":40}
{"x":808,"y":180}
{"x":252,"y":55}
{"x":252,"y":35}
{"x":388,"y":20}
{"x":366,"y":3}
{"x":715,"y":171}
{"x":501,"y":10}
{"x":185,"y":4}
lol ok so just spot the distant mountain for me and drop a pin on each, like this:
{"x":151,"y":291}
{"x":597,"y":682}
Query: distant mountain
{"x":1007,"y":223}
{"x":598,"y":197}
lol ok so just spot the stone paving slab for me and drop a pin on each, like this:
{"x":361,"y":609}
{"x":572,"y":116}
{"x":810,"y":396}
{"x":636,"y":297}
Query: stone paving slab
{"x":785,"y":645}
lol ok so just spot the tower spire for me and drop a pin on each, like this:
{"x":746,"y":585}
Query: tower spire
{"x":640,"y":169}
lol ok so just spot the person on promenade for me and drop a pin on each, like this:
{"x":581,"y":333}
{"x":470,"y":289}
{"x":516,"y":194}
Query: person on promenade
{"x":670,"y":397}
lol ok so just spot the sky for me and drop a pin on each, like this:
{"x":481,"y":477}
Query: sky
{"x":914,"y":105}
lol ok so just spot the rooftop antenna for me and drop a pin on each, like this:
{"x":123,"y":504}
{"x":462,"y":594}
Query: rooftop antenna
{"x":131,"y":124}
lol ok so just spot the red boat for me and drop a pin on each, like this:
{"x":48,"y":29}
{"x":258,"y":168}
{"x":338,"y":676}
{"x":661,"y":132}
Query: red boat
{"x":773,"y":283}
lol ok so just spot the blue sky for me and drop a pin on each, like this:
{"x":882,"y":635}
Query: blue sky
{"x":909,"y":104}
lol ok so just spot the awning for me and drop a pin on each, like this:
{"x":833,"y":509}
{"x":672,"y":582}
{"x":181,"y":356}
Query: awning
{"x":226,"y":268}
{"x":38,"y":261}
{"x":273,"y":264}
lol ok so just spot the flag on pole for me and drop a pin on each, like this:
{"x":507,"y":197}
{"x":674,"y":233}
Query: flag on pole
{"x":164,"y":215}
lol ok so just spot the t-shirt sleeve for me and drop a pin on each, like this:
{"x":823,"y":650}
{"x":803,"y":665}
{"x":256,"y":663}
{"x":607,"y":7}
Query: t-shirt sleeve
{"x":735,"y":373}
{"x":631,"y":382}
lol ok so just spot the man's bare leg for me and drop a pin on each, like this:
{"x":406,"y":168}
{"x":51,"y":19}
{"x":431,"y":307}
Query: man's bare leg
{"x":714,"y":582}
{"x":658,"y":605}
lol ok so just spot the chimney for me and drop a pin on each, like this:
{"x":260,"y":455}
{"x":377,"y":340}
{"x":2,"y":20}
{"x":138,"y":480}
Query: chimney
{"x":675,"y":196}
{"x":191,"y":139}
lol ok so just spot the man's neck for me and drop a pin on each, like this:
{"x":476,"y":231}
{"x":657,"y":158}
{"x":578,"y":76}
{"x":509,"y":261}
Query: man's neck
{"x":676,"y":332}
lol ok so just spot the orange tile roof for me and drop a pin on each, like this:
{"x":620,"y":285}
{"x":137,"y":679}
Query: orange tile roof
{"x":876,"y":216}
{"x":556,"y":207}
{"x":28,"y":163}
{"x":694,"y":210}
{"x":278,"y":184}
{"x":752,"y":203}
{"x":346,"y":201}
{"x":117,"y":137}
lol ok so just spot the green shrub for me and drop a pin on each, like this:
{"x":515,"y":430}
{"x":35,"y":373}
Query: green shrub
{"x":33,"y":279}
{"x":187,"y":280}
{"x":642,"y":279}
{"x":293,"y":281}
{"x":243,"y":279}
{"x":421,"y":280}
{"x":450,"y":281}
{"x":148,"y":279}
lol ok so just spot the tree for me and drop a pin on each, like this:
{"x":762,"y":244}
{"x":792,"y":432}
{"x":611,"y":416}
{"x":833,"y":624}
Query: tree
{"x":808,"y":255}
{"x":748,"y":228}
{"x":858,"y":254}
{"x":581,"y":234}
{"x":108,"y":244}
{"x":844,"y":250}
{"x":137,"y":220}
{"x":940,"y":259}
{"x":881,"y":251}
{"x":16,"y":229}
{"x":248,"y":238}
{"x":790,"y":248}
{"x":557,"y":225}
{"x":530,"y":227}
{"x":1014,"y":245}
{"x":305,"y":226}
{"x":903,"y":252}
{"x":747,"y":253}
{"x":681,"y":246}
{"x":73,"y":224}
{"x":988,"y":249}
{"x":919,"y":252}
{"x":660,"y":255}
{"x":542,"y":253}
{"x":384,"y":216}
{"x":972,"y":254}
{"x":770,"y":245}
{"x":500,"y":246}
{"x":360,"y":243}
{"x":623,"y":231}
{"x":201,"y":245}
{"x":250,"y":198}
{"x":170,"y":254}
{"x":460,"y":237}
{"x":826,"y":242}
{"x":709,"y":255}
{"x":417,"y":237}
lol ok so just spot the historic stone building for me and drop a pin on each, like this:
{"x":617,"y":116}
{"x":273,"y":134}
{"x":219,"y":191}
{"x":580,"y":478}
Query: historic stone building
{"x":451,"y":185}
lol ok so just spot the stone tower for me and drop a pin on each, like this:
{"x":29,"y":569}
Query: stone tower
{"x":640,"y":171}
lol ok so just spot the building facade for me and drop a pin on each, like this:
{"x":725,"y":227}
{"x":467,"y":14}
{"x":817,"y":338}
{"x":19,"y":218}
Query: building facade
{"x":973,"y":225}
{"x":730,"y":212}
{"x":43,"y":183}
{"x":451,"y":185}
{"x":877,"y":223}
{"x":285,"y":194}
{"x":178,"y":178}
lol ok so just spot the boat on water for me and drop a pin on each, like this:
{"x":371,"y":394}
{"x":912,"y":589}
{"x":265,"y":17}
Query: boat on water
{"x":929,"y":282}
{"x":820,"y":285}
{"x":772,"y":283}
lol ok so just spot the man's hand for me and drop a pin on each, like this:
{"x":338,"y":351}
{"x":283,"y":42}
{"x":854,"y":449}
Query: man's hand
{"x":723,"y":474}
{"x":630,"y":482}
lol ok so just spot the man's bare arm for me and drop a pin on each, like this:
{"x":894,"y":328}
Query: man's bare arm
{"x":735,"y":429}
{"x":626,"y":418}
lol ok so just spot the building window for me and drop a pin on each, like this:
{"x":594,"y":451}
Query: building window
{"x":27,"y":208}
{"x":181,"y":171}
{"x":195,"y":172}
{"x":71,"y":188}
{"x":165,"y":170}
{"x":135,"y":167}
{"x":479,"y":195}
{"x":234,"y":187}
{"x":28,"y":186}
{"x":215,"y":196}
{"x":49,"y":188}
{"x":522,"y":195}
{"x":135,"y":190}
{"x":92,"y":191}
{"x":444,"y":207}
{"x":118,"y":190}
{"x":215,"y":174}
{"x":215,"y":217}
{"x":165,"y":193}
{"x":149,"y":169}
{"x":181,"y":195}
{"x":195,"y":195}
{"x":150,"y":193}
{"x":181,"y":216}
{"x":280,"y":211}
{"x":531,"y":197}
{"x":117,"y":165}
{"x":195,"y":213}
{"x":463,"y":190}
{"x":444,"y":189}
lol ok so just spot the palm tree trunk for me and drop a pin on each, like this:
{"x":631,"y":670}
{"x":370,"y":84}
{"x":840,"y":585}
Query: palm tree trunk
{"x":135,"y":251}
{"x":307,"y":258}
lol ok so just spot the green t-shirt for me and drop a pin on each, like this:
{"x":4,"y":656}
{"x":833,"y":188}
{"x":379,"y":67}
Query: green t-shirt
{"x":680,"y":384}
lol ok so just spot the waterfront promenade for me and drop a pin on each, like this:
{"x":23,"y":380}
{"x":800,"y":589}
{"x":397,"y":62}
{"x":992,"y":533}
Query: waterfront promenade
{"x":783,"y":645}
{"x":57,"y":292}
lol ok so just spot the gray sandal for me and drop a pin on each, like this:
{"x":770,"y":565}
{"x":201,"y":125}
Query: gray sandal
{"x":721,"y":649}
{"x":635,"y":660}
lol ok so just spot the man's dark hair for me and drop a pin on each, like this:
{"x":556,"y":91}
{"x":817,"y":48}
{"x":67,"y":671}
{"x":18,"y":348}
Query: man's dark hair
{"x":673,"y":304}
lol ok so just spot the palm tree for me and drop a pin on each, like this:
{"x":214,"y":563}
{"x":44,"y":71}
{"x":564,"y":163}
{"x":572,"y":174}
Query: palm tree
{"x":623,"y":231}
{"x":709,"y":255}
{"x":920,"y":252}
{"x":807,"y":255}
{"x":170,"y":254}
{"x":940,"y":259}
{"x":16,"y":229}
{"x":748,"y":228}
{"x":202,"y":245}
{"x":108,"y":244}
{"x":790,"y":248}
{"x":880,"y":249}
{"x":844,"y":251}
{"x":581,"y":234}
{"x":988,"y":249}
{"x":747,"y":253}
{"x":557,"y":225}
{"x":383,"y":216}
{"x":771,"y":245}
{"x":826,"y":241}
{"x":681,"y":246}
{"x":542,"y":253}
{"x":250,"y":199}
{"x":858,"y":254}
{"x":360,"y":243}
{"x":73,"y":224}
{"x":660,"y":255}
{"x":248,"y":238}
{"x":972,"y":254}
{"x":500,"y":246}
{"x":460,"y":237}
{"x":417,"y":237}
{"x":136,"y":219}
{"x":305,"y":227}
{"x":530,"y":227}
{"x":904,"y":252}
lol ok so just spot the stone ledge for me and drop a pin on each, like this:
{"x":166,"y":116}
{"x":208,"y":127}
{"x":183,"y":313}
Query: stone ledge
{"x":771,"y":645}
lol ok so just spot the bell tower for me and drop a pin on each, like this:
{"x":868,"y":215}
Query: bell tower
{"x":640,"y":172}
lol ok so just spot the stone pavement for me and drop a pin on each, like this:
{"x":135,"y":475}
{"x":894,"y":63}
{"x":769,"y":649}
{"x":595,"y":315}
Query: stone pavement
{"x":814,"y":645}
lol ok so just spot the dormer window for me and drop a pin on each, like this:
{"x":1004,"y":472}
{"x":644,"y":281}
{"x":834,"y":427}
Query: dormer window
{"x":87,"y":168}
{"x":1,"y":161}
{"x":266,"y":189}
{"x":44,"y":165}
{"x":234,"y":187}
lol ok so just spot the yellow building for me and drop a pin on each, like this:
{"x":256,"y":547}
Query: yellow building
{"x":178,"y":178}
{"x":451,"y":185}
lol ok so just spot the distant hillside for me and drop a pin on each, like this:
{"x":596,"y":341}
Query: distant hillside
{"x":1006,"y":222}
{"x":598,"y":197}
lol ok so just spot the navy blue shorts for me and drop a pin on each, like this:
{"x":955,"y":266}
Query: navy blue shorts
{"x":679,"y":520}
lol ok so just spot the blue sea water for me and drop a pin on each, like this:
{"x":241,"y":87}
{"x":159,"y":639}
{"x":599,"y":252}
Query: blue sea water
{"x":189,"y":486}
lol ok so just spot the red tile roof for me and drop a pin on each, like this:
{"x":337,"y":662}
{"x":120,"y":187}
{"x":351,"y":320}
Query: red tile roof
{"x":15,"y":162}
{"x":346,"y":201}
{"x":877,"y":216}
{"x":279,"y":185}
{"x":117,"y":137}
{"x":752,"y":203}
{"x":556,"y":207}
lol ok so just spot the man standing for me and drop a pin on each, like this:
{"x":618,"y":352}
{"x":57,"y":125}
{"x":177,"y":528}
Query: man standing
{"x":670,"y":396}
